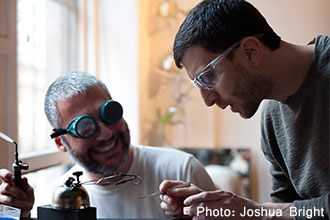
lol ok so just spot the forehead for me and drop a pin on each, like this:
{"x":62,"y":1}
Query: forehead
{"x":86,"y":103}
{"x":196,"y":58}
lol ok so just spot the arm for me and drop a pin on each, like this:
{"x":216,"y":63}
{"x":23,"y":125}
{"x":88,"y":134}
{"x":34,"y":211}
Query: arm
{"x":13,"y":196}
{"x":309,"y":209}
{"x":196,"y":174}
{"x":233,"y":207}
{"x":283,"y":190}
{"x":195,"y":198}
{"x":172,"y":199}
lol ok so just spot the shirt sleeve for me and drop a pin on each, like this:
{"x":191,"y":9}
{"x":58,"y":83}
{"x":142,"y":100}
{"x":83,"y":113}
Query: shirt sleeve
{"x":283,"y":190}
{"x":196,"y":174}
{"x":318,"y":205}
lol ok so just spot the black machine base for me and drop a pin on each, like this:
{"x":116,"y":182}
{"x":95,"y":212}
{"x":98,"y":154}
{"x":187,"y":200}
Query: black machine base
{"x":46,"y":212}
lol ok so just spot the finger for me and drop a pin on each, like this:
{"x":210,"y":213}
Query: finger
{"x":183,"y":191}
{"x":14,"y":202}
{"x":168,"y":207}
{"x":12,"y":190}
{"x":28,"y":189}
{"x":198,"y":211}
{"x":6,"y":176}
{"x":167,"y":199}
{"x":167,"y":184}
{"x":207,"y":196}
{"x":199,"y":208}
{"x":25,"y":213}
{"x":191,"y":211}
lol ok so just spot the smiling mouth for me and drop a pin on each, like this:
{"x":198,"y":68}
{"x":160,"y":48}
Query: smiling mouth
{"x":106,"y":148}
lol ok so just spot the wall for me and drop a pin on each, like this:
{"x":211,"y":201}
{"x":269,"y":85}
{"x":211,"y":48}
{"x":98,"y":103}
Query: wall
{"x":118,"y":63}
{"x":295,"y":20}
{"x":158,"y":88}
{"x":8,"y":85}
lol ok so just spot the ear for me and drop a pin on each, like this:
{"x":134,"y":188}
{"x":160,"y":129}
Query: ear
{"x":253,"y":50}
{"x":59,"y":144}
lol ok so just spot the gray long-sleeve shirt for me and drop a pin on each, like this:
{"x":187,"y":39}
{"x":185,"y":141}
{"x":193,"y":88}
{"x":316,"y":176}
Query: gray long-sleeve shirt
{"x":295,"y":139}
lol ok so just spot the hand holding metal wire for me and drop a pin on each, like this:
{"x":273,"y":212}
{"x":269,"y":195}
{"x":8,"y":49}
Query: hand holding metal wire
{"x":159,"y":193}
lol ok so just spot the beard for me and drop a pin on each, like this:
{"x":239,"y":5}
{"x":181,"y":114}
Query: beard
{"x":251,"y":92}
{"x":91,"y":165}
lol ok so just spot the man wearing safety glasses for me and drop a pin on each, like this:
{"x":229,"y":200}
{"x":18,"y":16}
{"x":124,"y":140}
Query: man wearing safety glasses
{"x":89,"y":125}
{"x":235,"y":59}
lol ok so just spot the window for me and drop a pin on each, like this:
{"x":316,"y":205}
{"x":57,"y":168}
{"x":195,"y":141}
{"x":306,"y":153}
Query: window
{"x":47,"y":47}
{"x":55,"y":37}
{"x":47,"y":37}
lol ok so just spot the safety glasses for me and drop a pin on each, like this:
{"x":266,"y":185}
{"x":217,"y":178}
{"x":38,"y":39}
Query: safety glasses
{"x":208,"y":78}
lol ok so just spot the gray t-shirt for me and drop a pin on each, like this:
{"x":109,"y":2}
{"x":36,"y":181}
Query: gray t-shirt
{"x":295,"y":138}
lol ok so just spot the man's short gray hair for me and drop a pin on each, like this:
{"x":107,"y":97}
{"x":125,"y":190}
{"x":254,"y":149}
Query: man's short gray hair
{"x":64,"y":88}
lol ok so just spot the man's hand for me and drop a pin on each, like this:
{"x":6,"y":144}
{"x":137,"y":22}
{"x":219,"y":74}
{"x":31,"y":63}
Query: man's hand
{"x":13,"y":196}
{"x":172,"y":198}
{"x":235,"y":205}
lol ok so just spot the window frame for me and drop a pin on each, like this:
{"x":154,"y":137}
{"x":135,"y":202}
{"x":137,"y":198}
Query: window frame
{"x":43,"y":159}
{"x":40,"y":159}
{"x":8,"y":109}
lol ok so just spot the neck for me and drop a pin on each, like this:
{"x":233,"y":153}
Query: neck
{"x":287,"y":67}
{"x":95,"y":176}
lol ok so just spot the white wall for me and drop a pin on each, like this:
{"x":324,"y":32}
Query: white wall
{"x":119,"y":56}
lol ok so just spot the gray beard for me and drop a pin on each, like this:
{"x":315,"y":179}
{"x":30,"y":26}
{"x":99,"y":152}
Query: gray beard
{"x":94,"y":167}
{"x":97,"y":168}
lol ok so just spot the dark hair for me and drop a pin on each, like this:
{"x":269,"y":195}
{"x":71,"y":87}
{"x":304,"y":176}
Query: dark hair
{"x":217,"y":24}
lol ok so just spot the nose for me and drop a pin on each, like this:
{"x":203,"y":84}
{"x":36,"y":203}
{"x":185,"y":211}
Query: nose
{"x":104,"y":132}
{"x":208,"y":96}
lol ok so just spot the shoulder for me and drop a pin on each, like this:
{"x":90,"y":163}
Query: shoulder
{"x":160,"y":157}
{"x":274,"y":114}
{"x":178,"y":165}
{"x":322,"y":53}
{"x":166,"y":152}
{"x":322,"y":42}
{"x":269,"y":109}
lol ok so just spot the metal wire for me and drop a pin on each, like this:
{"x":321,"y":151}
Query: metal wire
{"x":134,"y":179}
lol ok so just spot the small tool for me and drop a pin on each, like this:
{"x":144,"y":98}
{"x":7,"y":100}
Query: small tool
{"x":17,"y":165}
{"x":159,"y":193}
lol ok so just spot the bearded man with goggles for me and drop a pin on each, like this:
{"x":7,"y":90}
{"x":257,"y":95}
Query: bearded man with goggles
{"x":89,"y":126}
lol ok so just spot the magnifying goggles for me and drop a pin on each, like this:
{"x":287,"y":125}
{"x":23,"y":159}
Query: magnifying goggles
{"x":84,"y":126}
